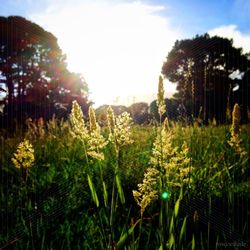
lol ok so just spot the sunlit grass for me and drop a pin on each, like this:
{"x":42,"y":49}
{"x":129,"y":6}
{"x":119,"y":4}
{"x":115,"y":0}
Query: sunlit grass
{"x":87,"y":203}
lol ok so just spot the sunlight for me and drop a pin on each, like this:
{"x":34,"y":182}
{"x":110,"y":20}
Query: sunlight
{"x":118,"y":48}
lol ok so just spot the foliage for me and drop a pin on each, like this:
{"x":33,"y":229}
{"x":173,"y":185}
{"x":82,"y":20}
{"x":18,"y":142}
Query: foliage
{"x":54,"y":207}
{"x":173,"y":111}
{"x":34,"y":74}
{"x":85,"y":181}
{"x":140,"y":112}
{"x":203,"y":68}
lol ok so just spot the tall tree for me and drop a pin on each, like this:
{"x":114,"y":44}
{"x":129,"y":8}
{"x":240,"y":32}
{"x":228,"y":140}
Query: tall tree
{"x":203,"y":68}
{"x":33,"y":71}
{"x":173,"y":111}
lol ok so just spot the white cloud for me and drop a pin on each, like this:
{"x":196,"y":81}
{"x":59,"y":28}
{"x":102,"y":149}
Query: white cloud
{"x":231,"y":32}
{"x":119,"y":48}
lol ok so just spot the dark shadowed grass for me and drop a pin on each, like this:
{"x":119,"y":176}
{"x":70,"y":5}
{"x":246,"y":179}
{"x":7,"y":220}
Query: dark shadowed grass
{"x":54,"y":208}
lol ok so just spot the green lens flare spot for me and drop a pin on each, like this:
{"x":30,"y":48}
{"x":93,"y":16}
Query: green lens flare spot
{"x":165,"y":195}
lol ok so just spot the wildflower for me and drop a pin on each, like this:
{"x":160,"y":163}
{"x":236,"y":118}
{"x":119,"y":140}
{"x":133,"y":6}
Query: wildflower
{"x":147,"y":192}
{"x":160,"y":98}
{"x":79,"y":129}
{"x":24,"y":156}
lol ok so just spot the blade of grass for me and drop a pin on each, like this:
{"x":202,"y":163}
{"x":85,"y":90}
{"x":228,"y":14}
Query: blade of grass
{"x":125,"y":235}
{"x":120,"y":190}
{"x":105,"y":194}
{"x":93,"y":191}
{"x":183,"y":229}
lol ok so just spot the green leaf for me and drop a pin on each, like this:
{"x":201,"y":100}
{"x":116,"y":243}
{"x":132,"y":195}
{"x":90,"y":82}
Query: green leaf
{"x":124,"y":236}
{"x":177,"y":204}
{"x":176,"y":207}
{"x":193,"y":243}
{"x":120,"y":190}
{"x":183,"y":229}
{"x":171,"y":241}
{"x":171,"y":225}
{"x":105,"y":194}
{"x":93,"y":192}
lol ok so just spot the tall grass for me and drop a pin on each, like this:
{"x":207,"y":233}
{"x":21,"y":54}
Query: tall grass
{"x":79,"y":194}
{"x":56,"y":204}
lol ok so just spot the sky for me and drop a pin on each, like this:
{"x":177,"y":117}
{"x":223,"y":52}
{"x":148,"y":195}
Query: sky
{"x":119,"y":46}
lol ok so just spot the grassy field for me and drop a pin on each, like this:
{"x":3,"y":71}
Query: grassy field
{"x":81,"y":190}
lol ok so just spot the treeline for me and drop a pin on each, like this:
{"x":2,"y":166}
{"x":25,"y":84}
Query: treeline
{"x":144,"y":113}
{"x":34,"y":79}
{"x":211,"y":76}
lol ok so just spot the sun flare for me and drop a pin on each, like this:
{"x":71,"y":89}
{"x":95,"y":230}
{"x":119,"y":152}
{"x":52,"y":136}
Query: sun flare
{"x":118,"y":48}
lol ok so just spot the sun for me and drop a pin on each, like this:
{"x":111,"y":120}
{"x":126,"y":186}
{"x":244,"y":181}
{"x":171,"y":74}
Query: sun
{"x":118,"y":48}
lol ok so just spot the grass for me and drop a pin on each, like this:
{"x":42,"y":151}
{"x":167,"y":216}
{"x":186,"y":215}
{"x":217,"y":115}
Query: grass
{"x":69,"y":203}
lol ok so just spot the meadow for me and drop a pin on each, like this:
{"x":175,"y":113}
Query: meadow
{"x":71,"y":184}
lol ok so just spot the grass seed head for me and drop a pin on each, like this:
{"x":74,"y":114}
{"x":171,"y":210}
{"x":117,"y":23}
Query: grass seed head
{"x":79,"y":129}
{"x":24,"y":156}
{"x":166,"y":125}
{"x":235,"y":141}
{"x":235,"y":129}
{"x":96,"y":144}
{"x":160,"y":98}
{"x":92,"y":119}
{"x":122,"y":131}
{"x":111,"y":119}
{"x":147,"y":190}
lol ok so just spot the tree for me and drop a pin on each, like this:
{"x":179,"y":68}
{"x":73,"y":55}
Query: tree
{"x":139,"y":112}
{"x":33,"y":71}
{"x":101,"y":112}
{"x":203,"y":67}
{"x":173,"y":111}
{"x":242,"y":94}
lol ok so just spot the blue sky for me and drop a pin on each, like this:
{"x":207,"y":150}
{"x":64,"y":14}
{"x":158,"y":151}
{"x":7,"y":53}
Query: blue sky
{"x":199,"y":16}
{"x":120,"y":45}
{"x":193,"y":16}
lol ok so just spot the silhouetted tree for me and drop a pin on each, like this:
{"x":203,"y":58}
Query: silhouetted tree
{"x":203,"y":67}
{"x":119,"y":109}
{"x":242,"y":94}
{"x":101,"y":112}
{"x":33,"y":72}
{"x":173,"y":109}
{"x":139,"y":112}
